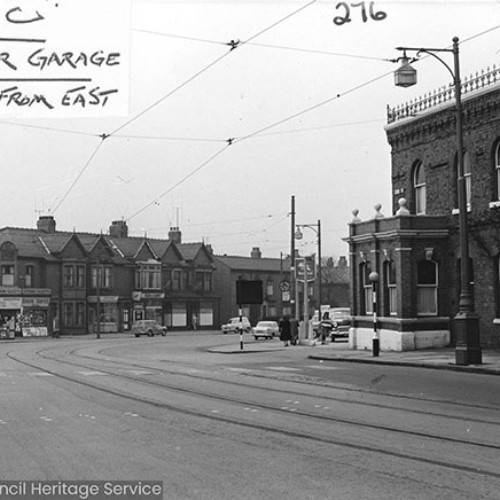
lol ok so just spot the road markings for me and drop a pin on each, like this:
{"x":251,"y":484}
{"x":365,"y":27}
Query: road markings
{"x":40,"y":374}
{"x":91,"y":373}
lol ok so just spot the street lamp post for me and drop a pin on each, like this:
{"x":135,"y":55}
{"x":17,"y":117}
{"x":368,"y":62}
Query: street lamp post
{"x":373,"y":277}
{"x":298,"y":235}
{"x":468,"y":348}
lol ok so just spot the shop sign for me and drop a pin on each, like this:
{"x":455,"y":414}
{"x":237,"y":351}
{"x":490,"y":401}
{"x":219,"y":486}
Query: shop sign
{"x":10,"y":290}
{"x":10,"y":302}
{"x":103,"y":299}
{"x":35,"y":301}
{"x":152,"y":295}
{"x":37,"y":291}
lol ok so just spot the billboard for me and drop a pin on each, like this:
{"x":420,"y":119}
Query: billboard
{"x":249,"y":292}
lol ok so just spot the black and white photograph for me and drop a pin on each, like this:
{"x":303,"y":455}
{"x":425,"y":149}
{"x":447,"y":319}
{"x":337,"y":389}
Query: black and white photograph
{"x":250,"y":250}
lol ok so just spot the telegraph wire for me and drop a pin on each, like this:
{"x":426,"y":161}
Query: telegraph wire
{"x":185,"y":178}
{"x":312,"y":108}
{"x":190,"y":38}
{"x":169,"y":94}
{"x":315,"y":51}
{"x":51,"y":129}
{"x":78,"y":176}
{"x":166,"y":138}
{"x":233,"y":45}
{"x":268,"y":45}
{"x":280,"y":21}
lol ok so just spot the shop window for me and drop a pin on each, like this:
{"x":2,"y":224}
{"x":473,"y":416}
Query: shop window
{"x":80,"y":314}
{"x":68,"y":311}
{"x":391,"y":288}
{"x":419,"y":188}
{"x":427,"y":285}
{"x":7,"y":275}
{"x":206,"y":314}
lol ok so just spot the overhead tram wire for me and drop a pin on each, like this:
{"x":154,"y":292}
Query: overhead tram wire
{"x":233,"y":45}
{"x":50,"y":129}
{"x":185,"y":178}
{"x":78,"y":176}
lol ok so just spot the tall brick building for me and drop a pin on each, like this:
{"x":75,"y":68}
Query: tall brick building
{"x":416,"y":251}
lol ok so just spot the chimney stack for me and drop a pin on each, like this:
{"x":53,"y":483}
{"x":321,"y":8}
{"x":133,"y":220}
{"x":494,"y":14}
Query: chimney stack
{"x":118,"y":229}
{"x":175,"y":235}
{"x":256,"y":253}
{"x":46,"y":224}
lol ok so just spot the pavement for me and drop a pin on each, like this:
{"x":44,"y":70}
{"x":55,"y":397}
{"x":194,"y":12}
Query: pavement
{"x":440,"y":359}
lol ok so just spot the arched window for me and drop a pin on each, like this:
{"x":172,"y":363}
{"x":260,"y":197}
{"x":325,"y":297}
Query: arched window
{"x":427,"y":285}
{"x":497,"y":172}
{"x":391,"y":289}
{"x":366,"y":289}
{"x":419,"y":189}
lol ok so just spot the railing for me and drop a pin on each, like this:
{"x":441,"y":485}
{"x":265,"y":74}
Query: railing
{"x":444,"y":94}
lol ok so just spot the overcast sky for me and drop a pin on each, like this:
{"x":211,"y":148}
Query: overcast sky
{"x":303,"y":103}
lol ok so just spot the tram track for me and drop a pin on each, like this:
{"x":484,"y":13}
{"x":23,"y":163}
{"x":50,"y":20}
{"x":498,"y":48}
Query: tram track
{"x":43,"y":354}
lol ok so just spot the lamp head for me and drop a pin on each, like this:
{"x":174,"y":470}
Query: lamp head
{"x":405,"y":75}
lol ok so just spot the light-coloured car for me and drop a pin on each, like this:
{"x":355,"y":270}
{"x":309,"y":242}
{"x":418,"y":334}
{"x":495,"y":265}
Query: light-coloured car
{"x":266,"y":329}
{"x":148,"y":327}
{"x":234,"y":325}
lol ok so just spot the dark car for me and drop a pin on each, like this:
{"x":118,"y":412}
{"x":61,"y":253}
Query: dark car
{"x":148,"y":327}
{"x":341,"y":322}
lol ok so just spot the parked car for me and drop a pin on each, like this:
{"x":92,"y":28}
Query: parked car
{"x":148,"y":327}
{"x":341,"y":320}
{"x":266,"y":329}
{"x":234,"y":325}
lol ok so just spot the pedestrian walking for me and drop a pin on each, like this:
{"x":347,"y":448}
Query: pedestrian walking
{"x":285,"y":331}
{"x":55,"y":328}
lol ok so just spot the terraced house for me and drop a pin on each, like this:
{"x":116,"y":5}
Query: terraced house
{"x":416,"y":250}
{"x":80,"y":279}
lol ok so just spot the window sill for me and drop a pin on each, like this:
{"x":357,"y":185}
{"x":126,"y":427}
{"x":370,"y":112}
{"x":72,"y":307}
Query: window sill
{"x":496,"y":321}
{"x":494,"y":204}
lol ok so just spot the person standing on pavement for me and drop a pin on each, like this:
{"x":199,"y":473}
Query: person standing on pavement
{"x":285,"y":331}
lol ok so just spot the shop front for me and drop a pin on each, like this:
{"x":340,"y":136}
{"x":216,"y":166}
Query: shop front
{"x":109,"y":313}
{"x":24,"y":312}
{"x":147,"y":305}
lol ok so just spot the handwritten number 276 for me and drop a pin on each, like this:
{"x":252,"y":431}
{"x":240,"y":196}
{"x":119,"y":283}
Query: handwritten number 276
{"x":376,"y":16}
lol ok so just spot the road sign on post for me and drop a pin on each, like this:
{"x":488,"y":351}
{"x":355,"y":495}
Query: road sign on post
{"x":305,"y":268}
